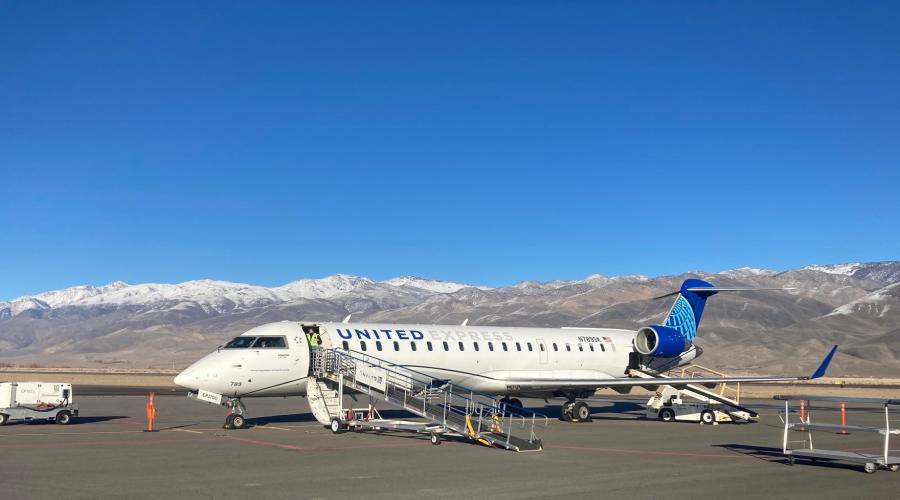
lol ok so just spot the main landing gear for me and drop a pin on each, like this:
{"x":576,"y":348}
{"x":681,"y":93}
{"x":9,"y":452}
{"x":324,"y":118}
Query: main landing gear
{"x":235,"y":418}
{"x":575,"y":411}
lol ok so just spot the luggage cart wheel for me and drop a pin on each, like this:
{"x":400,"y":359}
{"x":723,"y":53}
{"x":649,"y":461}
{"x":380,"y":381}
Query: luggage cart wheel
{"x":893,"y":467}
{"x":435,"y":438}
{"x":870,"y":468}
{"x":707,"y":417}
{"x":335,"y":425}
{"x":791,"y":460}
{"x":3,"y":419}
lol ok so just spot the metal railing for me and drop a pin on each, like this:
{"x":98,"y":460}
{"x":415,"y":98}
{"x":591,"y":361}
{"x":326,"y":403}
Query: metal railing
{"x":461,"y":409}
{"x":695,"y":371}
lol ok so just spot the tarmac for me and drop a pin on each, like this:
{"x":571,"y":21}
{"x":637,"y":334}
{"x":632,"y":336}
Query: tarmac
{"x":287,"y":454}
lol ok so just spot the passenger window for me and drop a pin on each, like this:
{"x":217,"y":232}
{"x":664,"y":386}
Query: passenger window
{"x":555,"y":348}
{"x":270,"y":343}
{"x":568,"y":347}
{"x":462,"y":347}
{"x":602,"y":348}
{"x":346,"y":345}
{"x":591,"y":346}
{"x":518,"y":346}
{"x":378,"y":345}
{"x":240,"y":343}
{"x":446,"y":346}
{"x":504,"y":345}
{"x":542,"y":347}
{"x":529,"y":346}
{"x":396,"y":345}
{"x":362,"y":345}
{"x":412,"y":345}
{"x":490,"y":346}
{"x":476,"y":345}
{"x":580,"y":347}
{"x":429,"y":346}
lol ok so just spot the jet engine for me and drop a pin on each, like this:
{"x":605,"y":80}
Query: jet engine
{"x":660,"y":341}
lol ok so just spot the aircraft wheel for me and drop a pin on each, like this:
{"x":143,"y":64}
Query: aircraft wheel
{"x":229,"y":421}
{"x":238,"y":422}
{"x":4,"y":418}
{"x":667,"y":415}
{"x":565,"y":413}
{"x":707,"y":417}
{"x":870,"y":468}
{"x":435,"y":438}
{"x":335,"y":426}
{"x":64,"y":417}
{"x":582,"y":411}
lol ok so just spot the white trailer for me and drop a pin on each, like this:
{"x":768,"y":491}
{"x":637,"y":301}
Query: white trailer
{"x":27,"y":401}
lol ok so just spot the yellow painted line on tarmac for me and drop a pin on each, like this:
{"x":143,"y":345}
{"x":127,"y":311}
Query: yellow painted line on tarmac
{"x":192,"y":431}
{"x":270,"y":427}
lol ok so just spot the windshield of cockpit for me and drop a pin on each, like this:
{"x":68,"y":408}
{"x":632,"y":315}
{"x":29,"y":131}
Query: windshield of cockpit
{"x":257,"y":343}
{"x":240,"y":343}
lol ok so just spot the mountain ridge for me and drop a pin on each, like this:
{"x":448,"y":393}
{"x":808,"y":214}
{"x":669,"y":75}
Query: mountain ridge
{"x":854,"y":304}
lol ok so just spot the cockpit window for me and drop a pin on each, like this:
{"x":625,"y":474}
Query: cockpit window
{"x":269,"y":343}
{"x":240,"y":343}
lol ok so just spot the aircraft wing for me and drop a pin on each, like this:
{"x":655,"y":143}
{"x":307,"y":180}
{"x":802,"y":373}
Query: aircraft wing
{"x":598,"y":383}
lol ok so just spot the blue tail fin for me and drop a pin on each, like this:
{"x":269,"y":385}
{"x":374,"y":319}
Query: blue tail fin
{"x":688,"y":307}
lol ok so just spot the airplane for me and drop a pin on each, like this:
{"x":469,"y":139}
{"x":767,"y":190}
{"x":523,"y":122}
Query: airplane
{"x":512,"y":362}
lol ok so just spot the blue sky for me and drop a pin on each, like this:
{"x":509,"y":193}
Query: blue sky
{"x":484,"y":142}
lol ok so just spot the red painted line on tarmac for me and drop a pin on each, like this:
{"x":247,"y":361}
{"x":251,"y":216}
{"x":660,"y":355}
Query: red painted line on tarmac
{"x":268,"y":443}
{"x":649,"y":452}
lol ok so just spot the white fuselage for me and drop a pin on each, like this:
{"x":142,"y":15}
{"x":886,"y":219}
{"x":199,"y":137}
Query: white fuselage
{"x":483,"y":358}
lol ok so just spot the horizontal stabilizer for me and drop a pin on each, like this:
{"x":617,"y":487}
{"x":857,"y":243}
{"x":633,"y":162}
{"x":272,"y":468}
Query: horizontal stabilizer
{"x":713,"y":290}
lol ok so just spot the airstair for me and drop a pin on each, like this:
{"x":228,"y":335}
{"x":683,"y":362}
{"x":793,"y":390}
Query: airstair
{"x":731,"y":407}
{"x":447,"y":409}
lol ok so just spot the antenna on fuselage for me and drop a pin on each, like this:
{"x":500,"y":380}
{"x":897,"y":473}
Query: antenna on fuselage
{"x":347,"y":319}
{"x":465,"y":322}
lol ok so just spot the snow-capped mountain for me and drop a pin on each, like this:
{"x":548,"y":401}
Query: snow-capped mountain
{"x":222,"y":296}
{"x":436,"y":286}
{"x":855,"y":305}
{"x":884,"y":272}
{"x":876,"y":304}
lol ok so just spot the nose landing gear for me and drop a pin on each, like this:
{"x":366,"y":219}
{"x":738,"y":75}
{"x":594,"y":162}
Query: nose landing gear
{"x":235,"y":418}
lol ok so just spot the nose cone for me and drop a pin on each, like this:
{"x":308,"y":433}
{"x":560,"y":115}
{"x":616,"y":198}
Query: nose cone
{"x":188,"y":379}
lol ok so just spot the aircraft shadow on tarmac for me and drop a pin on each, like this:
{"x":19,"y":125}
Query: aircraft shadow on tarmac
{"x":775,"y":455}
{"x":618,"y":410}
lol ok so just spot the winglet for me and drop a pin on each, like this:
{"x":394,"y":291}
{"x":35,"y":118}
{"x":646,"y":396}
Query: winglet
{"x":820,"y":371}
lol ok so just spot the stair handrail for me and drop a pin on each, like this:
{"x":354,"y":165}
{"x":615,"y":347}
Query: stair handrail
{"x":342,"y":361}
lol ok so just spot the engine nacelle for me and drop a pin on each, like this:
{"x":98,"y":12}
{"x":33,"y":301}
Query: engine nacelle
{"x":660,"y":341}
